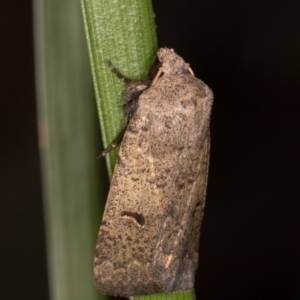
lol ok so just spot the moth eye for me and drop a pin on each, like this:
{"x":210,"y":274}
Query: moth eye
{"x":154,"y":68}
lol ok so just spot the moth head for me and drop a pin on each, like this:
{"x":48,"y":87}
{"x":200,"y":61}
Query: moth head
{"x":169,"y":62}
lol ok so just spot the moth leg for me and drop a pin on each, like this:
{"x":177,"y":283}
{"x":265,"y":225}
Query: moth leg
{"x":191,"y":71}
{"x":117,"y":73}
{"x":119,"y":138}
{"x":129,"y":103}
{"x":113,"y":145}
{"x":160,"y":71}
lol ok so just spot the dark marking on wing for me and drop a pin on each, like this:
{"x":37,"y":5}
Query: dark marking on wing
{"x":139,"y":218}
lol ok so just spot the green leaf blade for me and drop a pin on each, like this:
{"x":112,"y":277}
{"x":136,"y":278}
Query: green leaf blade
{"x":123,"y":32}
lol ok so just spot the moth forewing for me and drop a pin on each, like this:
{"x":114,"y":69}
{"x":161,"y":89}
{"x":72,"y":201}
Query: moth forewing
{"x":148,"y":240}
{"x":175,"y":258}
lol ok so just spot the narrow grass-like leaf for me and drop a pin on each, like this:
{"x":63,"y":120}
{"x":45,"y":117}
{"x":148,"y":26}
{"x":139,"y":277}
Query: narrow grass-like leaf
{"x":68,"y":138}
{"x":188,"y":295}
{"x":124,"y":32}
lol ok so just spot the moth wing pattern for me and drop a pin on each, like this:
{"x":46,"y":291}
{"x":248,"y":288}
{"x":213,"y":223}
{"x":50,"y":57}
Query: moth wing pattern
{"x":176,"y":269}
{"x":125,"y":245}
{"x":176,"y":253}
{"x":148,"y":239}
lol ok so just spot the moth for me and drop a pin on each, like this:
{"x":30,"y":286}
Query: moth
{"x":149,"y":235}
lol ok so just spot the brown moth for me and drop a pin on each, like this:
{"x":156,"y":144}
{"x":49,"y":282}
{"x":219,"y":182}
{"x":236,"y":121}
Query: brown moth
{"x":149,"y":235}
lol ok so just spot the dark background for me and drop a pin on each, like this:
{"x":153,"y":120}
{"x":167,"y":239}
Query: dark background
{"x":248,"y":52}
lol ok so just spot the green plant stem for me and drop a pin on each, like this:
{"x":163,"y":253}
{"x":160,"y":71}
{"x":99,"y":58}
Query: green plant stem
{"x":124,"y":32}
{"x":187,"y":295}
{"x":68,"y":135}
